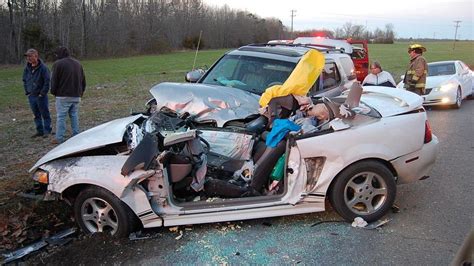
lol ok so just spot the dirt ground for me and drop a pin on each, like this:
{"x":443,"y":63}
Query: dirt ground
{"x":24,"y":220}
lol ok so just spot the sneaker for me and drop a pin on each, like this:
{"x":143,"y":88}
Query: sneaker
{"x":37,"y":135}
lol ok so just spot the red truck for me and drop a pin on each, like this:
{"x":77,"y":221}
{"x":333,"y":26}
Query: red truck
{"x":357,"y":49}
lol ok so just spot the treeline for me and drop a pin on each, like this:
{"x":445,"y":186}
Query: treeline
{"x":357,"y":32}
{"x":102,"y":28}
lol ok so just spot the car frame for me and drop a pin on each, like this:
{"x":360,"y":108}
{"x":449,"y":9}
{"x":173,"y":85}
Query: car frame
{"x":116,"y":175}
{"x":338,"y":72}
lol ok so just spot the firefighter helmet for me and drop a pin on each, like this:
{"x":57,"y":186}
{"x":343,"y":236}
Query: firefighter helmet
{"x":416,"y":46}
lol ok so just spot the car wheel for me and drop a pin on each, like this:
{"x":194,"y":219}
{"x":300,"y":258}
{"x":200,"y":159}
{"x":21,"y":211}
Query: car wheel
{"x":366,"y":189}
{"x":99,"y":211}
{"x":457,"y":105}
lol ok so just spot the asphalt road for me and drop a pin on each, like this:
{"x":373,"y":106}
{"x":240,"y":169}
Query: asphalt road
{"x":435,"y":216}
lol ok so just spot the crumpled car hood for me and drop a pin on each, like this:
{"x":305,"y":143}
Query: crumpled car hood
{"x":96,"y":137}
{"x":208,"y":102}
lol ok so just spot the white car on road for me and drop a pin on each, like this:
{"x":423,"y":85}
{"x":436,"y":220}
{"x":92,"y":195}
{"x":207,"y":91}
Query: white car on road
{"x":447,"y":83}
{"x":143,"y":169}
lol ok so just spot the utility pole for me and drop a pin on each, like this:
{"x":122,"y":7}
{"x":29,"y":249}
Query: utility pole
{"x":292,"y":16}
{"x":456,"y":32}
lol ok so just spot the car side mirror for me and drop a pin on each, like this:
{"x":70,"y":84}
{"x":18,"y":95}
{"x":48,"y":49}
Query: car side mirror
{"x":194,"y":75}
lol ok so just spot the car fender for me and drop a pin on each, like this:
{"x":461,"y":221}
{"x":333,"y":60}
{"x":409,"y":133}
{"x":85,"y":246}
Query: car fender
{"x":384,"y":139}
{"x":105,"y":173}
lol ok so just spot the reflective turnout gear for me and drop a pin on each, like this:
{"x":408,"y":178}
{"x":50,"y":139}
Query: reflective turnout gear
{"x":415,"y":77}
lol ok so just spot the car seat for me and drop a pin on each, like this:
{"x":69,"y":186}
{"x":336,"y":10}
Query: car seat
{"x":265,"y":164}
{"x":254,"y":77}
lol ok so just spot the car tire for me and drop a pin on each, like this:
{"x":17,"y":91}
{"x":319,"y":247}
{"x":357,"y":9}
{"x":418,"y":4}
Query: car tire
{"x":365,"y":189}
{"x":457,"y":105}
{"x":99,"y":211}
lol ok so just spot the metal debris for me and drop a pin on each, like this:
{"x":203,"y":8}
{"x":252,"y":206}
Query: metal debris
{"x":60,"y":239}
{"x":322,"y":222}
{"x":376,"y":224}
{"x":57,"y":239}
{"x":20,"y":253}
{"x":180,"y":235}
{"x":395,"y":208}
{"x":141,"y":235}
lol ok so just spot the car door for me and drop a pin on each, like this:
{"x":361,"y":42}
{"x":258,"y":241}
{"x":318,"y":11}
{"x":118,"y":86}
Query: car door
{"x":466,"y":78}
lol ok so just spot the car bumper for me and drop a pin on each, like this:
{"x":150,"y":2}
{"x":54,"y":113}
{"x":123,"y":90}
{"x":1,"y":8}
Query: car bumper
{"x":439,"y":98}
{"x":416,"y":165}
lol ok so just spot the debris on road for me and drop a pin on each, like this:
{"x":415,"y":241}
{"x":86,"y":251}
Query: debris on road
{"x":140,"y":235}
{"x":359,"y":222}
{"x":376,"y":224}
{"x":58,"y":239}
{"x":180,"y":235}
{"x":20,"y":253}
{"x":323,"y":222}
{"x":395,"y":208}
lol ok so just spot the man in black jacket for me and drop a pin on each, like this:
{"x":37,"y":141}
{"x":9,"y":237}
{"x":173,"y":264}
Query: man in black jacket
{"x":36,"y":84}
{"x":68,"y":84}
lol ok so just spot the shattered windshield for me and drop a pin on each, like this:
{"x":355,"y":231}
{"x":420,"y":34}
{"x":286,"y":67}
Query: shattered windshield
{"x":249,"y":73}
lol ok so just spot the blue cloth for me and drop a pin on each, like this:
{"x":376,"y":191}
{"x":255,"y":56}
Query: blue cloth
{"x":67,"y":106}
{"x":279,"y":130}
{"x":36,"y":79}
{"x":40,"y":107}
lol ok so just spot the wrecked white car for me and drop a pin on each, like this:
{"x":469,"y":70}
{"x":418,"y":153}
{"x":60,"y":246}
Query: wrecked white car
{"x":202,"y":158}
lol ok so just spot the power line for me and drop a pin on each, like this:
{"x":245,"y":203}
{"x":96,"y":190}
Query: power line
{"x":292,"y":16}
{"x":456,"y":31}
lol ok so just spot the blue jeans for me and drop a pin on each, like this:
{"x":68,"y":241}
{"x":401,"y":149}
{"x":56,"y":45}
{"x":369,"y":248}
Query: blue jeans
{"x":67,"y":106}
{"x":40,"y":108}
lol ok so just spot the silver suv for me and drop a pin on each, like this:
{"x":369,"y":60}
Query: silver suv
{"x":254,"y":68}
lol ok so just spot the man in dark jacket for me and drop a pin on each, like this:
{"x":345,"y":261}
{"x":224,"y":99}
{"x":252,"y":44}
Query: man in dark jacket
{"x":36,"y":84}
{"x":68,"y":84}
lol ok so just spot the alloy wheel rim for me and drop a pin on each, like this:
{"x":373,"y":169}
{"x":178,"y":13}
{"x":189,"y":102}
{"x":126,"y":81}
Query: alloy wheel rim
{"x":365,"y":193}
{"x":98,"y":216}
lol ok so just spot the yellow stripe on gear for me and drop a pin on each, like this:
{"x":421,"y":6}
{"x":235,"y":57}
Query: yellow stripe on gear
{"x":300,"y":80}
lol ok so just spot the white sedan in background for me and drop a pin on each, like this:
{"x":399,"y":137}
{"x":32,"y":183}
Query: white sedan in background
{"x":447,"y":83}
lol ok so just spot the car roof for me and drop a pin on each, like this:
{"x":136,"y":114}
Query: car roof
{"x":289,"y":53}
{"x":443,"y":62}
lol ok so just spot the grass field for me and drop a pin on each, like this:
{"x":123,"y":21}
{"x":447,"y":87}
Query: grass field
{"x":115,"y":87}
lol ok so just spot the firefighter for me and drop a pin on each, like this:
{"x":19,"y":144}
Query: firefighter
{"x":415,"y":77}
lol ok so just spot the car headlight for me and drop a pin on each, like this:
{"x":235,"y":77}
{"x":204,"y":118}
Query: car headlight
{"x":445,"y":87}
{"x":41,"y":176}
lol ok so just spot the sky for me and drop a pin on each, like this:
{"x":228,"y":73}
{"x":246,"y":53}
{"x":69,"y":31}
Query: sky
{"x":415,"y":18}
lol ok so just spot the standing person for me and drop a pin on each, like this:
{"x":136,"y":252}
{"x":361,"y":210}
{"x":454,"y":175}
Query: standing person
{"x":68,"y":84}
{"x":36,"y":84}
{"x":378,"y":77}
{"x":415,"y":77}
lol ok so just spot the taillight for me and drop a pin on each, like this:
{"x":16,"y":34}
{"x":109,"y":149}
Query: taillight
{"x":428,"y":135}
